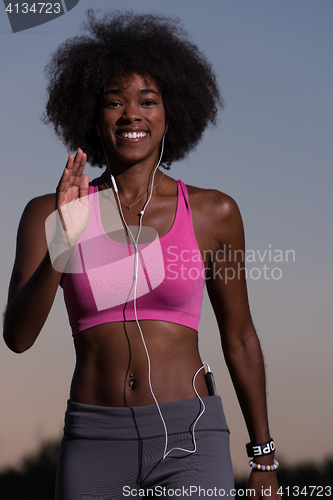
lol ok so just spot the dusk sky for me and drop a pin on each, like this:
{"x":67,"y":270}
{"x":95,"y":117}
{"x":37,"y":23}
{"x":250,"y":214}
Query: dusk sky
{"x":271,"y":151}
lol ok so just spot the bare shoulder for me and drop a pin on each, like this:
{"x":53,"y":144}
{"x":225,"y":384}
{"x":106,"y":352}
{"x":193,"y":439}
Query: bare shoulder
{"x":37,"y":211}
{"x":31,"y":231}
{"x":213,"y":205}
{"x":216,"y":219}
{"x":31,"y":245}
{"x":41,"y":206}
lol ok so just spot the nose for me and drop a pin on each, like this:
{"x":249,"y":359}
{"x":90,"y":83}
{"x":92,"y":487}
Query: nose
{"x":131,"y":112}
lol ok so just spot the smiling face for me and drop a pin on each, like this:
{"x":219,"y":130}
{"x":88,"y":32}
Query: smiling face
{"x":132,"y":121}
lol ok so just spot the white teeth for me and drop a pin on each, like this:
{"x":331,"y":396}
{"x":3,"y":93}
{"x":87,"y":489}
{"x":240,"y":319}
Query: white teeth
{"x":133,"y":135}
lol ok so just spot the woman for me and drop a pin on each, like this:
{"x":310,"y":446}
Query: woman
{"x":132,"y":251}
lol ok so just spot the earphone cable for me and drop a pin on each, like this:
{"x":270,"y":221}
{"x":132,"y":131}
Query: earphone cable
{"x":135,"y":284}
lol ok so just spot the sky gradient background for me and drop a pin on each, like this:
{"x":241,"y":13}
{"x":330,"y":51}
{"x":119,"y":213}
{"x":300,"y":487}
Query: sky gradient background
{"x":271,"y":151}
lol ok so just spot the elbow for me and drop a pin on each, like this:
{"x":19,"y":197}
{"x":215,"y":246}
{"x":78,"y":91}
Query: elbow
{"x":14,"y":342}
{"x":13,"y":345}
{"x":15,"y":339}
{"x":241,"y":340}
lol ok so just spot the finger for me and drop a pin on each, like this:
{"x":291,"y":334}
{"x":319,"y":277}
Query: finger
{"x":78,"y":167}
{"x":69,"y":184}
{"x":73,"y":162}
{"x":64,"y":181}
{"x":74,"y":168}
{"x":64,"y":192}
{"x":66,"y":175}
{"x":70,"y":162}
{"x":82,"y":164}
{"x":84,"y":186}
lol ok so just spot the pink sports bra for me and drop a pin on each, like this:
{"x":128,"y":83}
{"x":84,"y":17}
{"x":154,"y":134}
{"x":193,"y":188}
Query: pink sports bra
{"x":170,"y":274}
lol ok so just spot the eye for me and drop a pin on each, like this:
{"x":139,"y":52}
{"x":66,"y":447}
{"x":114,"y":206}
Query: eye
{"x":113,"y":104}
{"x":148,"y":103}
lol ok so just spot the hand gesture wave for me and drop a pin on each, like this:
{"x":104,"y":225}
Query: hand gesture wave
{"x":72,"y":197}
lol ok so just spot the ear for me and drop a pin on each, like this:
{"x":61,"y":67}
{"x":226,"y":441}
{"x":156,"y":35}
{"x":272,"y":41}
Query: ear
{"x":166,"y":127}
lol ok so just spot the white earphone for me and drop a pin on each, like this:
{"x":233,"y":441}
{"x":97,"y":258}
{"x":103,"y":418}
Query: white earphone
{"x":135,"y":242}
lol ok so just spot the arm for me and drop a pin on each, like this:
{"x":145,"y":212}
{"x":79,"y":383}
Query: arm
{"x":34,"y":282}
{"x":226,"y":286}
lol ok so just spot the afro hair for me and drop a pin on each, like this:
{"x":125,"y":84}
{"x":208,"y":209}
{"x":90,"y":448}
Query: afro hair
{"x":121,"y":43}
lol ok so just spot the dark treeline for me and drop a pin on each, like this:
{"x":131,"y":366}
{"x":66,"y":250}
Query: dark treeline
{"x":34,"y":479}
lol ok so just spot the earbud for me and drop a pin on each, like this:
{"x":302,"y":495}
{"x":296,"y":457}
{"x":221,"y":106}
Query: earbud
{"x":113,"y":180}
{"x":97,"y":129}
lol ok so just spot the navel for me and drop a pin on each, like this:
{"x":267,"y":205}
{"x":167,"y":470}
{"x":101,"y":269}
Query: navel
{"x":131,"y":382}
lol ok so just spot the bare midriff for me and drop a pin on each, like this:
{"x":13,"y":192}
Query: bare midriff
{"x":112,"y":366}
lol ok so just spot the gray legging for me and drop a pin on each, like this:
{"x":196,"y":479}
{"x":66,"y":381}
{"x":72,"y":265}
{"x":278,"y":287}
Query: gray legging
{"x":116,"y":453}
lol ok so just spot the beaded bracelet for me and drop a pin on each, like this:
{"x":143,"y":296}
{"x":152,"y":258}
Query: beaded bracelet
{"x":265,"y":468}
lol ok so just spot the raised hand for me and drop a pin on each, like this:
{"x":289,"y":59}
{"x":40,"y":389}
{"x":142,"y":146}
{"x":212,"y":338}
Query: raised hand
{"x":72,"y":197}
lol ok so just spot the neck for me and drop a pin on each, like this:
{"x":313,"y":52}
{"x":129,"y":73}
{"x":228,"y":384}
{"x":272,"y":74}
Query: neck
{"x":132,"y":178}
{"x":135,"y":178}
{"x":133,"y":182}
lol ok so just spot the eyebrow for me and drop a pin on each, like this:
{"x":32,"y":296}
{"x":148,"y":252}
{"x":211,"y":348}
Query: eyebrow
{"x":143,"y":91}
